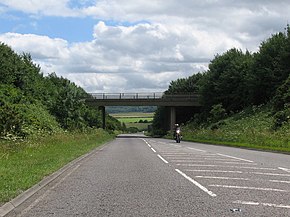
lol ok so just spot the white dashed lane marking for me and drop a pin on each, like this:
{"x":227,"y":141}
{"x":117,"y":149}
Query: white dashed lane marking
{"x":195,"y":149}
{"x":224,"y":178}
{"x":239,"y":167}
{"x":224,"y":155}
{"x":262,"y":204}
{"x":196,"y":183}
{"x":165,"y":161}
{"x":284,"y":169}
{"x":249,"y":188}
{"x":197,"y":159}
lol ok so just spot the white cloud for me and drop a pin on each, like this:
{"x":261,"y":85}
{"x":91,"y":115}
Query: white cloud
{"x":156,"y":41}
{"x":40,"y":47}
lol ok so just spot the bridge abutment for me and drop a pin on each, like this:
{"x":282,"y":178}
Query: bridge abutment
{"x":103,"y":113}
{"x":172,"y":120}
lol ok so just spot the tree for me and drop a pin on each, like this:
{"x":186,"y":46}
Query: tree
{"x":269,"y":69}
{"x":226,"y":81}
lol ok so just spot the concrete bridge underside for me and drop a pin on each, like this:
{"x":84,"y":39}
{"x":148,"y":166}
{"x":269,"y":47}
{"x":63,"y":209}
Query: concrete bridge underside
{"x":153,"y":99}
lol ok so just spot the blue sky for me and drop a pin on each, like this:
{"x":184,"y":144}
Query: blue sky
{"x":135,"y":46}
{"x":71,"y":29}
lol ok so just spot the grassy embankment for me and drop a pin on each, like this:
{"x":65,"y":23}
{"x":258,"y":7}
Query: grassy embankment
{"x":133,"y":119}
{"x":25,"y":163}
{"x":251,"y":128}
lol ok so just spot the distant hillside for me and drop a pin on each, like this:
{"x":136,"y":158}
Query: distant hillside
{"x":127,"y":109}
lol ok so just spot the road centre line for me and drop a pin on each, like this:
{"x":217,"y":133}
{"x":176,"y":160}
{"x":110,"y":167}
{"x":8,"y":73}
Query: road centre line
{"x":224,"y":155}
{"x":249,"y":188}
{"x":196,"y":183}
{"x":196,"y":149}
{"x":165,"y":161}
{"x":153,"y":150}
{"x":263,"y":204}
{"x":224,"y":178}
{"x":201,"y":165}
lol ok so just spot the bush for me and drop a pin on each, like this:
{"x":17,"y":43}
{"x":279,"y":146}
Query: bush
{"x":217,"y":113}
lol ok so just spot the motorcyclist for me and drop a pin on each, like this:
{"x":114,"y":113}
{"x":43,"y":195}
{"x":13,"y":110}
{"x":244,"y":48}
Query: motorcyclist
{"x":176,"y":130}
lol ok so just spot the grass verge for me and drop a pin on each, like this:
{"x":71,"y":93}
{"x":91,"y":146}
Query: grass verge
{"x":25,"y":163}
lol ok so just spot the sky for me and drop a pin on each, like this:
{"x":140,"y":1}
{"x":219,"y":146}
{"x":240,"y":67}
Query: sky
{"x":130,"y":46}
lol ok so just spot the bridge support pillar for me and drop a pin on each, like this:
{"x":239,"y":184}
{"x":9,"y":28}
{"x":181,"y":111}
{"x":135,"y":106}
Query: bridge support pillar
{"x":103,"y":110}
{"x":172,"y":118}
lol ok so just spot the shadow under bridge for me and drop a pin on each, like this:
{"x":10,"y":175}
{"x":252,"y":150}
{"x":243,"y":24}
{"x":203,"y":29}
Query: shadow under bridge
{"x":101,"y":100}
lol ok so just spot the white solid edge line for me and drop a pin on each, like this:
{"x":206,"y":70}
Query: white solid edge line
{"x":165,"y":161}
{"x":196,"y":183}
{"x":235,"y":157}
{"x":153,"y":150}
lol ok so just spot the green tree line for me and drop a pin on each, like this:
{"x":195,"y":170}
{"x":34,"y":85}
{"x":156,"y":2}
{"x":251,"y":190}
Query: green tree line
{"x":34,"y":104}
{"x":236,"y":80}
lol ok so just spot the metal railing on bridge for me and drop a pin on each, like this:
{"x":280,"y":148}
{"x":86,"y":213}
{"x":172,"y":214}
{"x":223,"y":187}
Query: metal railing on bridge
{"x":143,"y":99}
{"x":101,"y":96}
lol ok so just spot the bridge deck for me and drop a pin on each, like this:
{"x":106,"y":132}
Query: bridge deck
{"x":142,"y":99}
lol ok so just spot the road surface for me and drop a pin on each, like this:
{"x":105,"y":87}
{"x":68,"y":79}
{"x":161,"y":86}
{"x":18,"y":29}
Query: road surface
{"x":139,"y":176}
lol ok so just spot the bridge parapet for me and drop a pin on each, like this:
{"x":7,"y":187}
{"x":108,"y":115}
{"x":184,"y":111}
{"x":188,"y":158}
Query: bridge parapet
{"x":103,"y":96}
{"x":143,"y":99}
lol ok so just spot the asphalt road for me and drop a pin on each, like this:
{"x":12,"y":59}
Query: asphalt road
{"x":134,"y":176}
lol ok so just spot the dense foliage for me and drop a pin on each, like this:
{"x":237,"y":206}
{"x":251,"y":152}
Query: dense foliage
{"x":33,"y":104}
{"x":236,"y":80}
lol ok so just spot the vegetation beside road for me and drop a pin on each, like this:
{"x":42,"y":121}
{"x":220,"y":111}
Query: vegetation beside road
{"x":251,"y":128}
{"x":25,"y":163}
{"x":44,"y":123}
{"x":245,"y":98}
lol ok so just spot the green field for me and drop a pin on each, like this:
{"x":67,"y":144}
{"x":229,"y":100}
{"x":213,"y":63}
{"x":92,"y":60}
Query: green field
{"x":133,"y":119}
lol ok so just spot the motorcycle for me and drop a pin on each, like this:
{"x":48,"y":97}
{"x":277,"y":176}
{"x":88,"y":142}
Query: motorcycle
{"x":178,"y":136}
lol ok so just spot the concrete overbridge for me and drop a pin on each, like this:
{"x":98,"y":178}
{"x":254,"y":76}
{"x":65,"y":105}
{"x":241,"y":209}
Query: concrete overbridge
{"x":172,"y":101}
